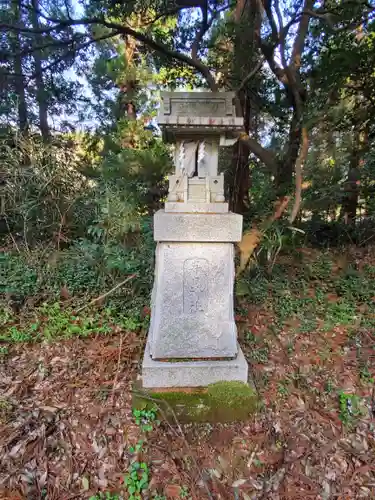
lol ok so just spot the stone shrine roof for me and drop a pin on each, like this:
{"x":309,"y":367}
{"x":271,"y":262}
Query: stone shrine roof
{"x":211,"y":113}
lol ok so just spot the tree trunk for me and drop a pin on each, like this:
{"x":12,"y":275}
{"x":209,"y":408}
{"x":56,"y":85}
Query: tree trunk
{"x":19,"y":79}
{"x":247,"y":22}
{"x":353,"y":182}
{"x":41,"y":95}
{"x":239,"y":182}
{"x":128,"y":93}
{"x":286,"y":165}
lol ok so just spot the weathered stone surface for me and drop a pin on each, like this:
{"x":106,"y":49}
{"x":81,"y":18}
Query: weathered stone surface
{"x":204,"y":113}
{"x":192,"y":302}
{"x":189,"y":104}
{"x":162,"y":374}
{"x":201,"y":227}
{"x":184,"y":189}
{"x":196,"y":207}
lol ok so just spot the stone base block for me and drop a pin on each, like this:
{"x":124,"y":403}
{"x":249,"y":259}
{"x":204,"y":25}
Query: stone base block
{"x":199,"y":227}
{"x":167,"y":374}
{"x":208,"y":208}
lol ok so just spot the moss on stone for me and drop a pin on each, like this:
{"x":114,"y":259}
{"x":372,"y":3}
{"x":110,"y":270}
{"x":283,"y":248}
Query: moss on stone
{"x":232,"y":399}
{"x":219,"y":402}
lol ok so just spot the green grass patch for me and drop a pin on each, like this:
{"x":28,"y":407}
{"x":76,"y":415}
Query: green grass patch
{"x":53,"y":322}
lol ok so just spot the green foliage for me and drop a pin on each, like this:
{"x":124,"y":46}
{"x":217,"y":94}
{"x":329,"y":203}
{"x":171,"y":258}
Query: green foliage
{"x":137,"y":479}
{"x":316,"y":295}
{"x":350,"y":408}
{"x":6,"y":410}
{"x":146,"y":418}
{"x":18,"y":275}
{"x":4,"y":350}
{"x":184,"y":492}
{"x":365,"y":374}
{"x":355,"y":285}
{"x":276,"y":239}
{"x":46,"y":195}
{"x":253,"y":285}
{"x":85,"y":268}
{"x":52,"y":322}
{"x":106,"y":496}
{"x":259,"y":352}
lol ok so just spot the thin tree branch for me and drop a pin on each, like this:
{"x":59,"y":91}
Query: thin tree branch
{"x":281,"y":30}
{"x":252,"y":73}
{"x":267,"y":4}
{"x":299,"y":42}
{"x":151,"y":43}
{"x":56,"y":43}
{"x":104,"y":295}
{"x":205,"y":26}
{"x":67,"y":54}
{"x":264,"y":155}
{"x":167,"y":13}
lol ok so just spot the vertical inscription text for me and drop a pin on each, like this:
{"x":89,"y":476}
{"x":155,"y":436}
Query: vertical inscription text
{"x":195,"y":285}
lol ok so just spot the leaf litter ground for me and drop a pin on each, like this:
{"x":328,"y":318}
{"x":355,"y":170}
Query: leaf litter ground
{"x":66,"y":422}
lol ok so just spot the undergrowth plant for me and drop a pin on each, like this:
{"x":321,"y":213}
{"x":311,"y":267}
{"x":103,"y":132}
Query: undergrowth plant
{"x":51,"y":322}
{"x":312,"y":294}
{"x":106,"y":496}
{"x":137,"y":478}
{"x":350,"y":409}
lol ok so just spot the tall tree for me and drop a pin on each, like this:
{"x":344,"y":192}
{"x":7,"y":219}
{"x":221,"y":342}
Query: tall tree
{"x":13,"y":86}
{"x":41,"y":95}
{"x":279,"y":32}
{"x":19,"y":79}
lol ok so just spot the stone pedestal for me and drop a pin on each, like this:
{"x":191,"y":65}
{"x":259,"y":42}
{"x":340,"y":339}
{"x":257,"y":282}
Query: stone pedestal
{"x":192,"y":302}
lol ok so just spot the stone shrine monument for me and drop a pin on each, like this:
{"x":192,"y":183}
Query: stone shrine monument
{"x":192,"y":341}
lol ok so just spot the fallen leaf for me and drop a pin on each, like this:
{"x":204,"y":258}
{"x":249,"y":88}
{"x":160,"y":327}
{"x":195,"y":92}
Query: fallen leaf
{"x":224,"y":464}
{"x":172,"y":490}
{"x":247,"y":245}
{"x":215,"y":472}
{"x":85,"y":483}
{"x":238,"y":483}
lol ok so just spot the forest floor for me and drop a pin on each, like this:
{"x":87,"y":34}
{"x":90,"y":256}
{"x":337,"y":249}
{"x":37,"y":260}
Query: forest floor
{"x":67,"y":429}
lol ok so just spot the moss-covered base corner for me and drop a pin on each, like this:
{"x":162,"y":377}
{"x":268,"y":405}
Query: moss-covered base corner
{"x":219,"y":402}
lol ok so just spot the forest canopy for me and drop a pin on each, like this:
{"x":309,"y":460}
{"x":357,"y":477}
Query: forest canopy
{"x":87,"y":74}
